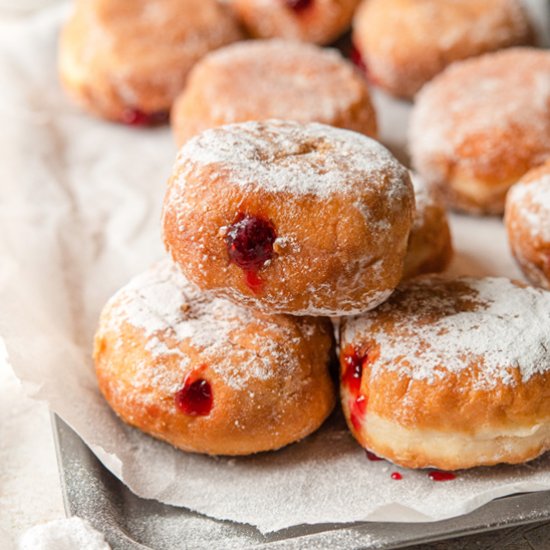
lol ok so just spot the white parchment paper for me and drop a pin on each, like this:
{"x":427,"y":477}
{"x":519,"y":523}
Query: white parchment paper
{"x":79,"y":215}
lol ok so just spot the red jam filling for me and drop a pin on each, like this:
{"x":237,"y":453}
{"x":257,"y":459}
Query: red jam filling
{"x":354,"y":362}
{"x":135,"y":117}
{"x":298,"y":5}
{"x":249,"y":242}
{"x":372,"y":457}
{"x":195,"y":398}
{"x":397,"y":476}
{"x":437,"y":475}
{"x":353,"y":371}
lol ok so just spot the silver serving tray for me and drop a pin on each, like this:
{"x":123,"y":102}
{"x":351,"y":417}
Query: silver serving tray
{"x":91,"y":492}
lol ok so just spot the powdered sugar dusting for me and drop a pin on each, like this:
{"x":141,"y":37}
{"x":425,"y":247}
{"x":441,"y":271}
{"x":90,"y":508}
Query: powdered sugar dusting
{"x":494,"y":98}
{"x":277,"y":79}
{"x":167,"y":307}
{"x":532,"y":200}
{"x":288,"y":157}
{"x":432,"y":326}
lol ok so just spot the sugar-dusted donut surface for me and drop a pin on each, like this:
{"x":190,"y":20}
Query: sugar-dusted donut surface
{"x":276,"y":79}
{"x":127,"y":60}
{"x":451,"y":373}
{"x":318,"y":21}
{"x":483,"y":123}
{"x":209,"y":376}
{"x":528,"y":224}
{"x":430,"y":248}
{"x":405,"y":43}
{"x":295,"y":218}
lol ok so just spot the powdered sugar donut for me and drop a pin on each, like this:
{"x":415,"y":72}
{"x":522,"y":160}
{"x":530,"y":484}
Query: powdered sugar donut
{"x":450,"y":374}
{"x":430,"y":246}
{"x":318,"y":21}
{"x":277,"y":79}
{"x":295,"y":218}
{"x":478,"y":127}
{"x":209,"y":376}
{"x":528,"y":224}
{"x":127,"y":61}
{"x":405,"y":43}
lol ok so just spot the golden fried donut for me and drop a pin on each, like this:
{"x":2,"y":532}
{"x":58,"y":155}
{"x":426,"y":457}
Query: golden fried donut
{"x":318,"y":21}
{"x":277,"y":79}
{"x":478,"y":127}
{"x":404,"y":43}
{"x":528,"y":224}
{"x":450,"y":374}
{"x":291,"y":218}
{"x":430,"y":246}
{"x":209,"y":376}
{"x":127,"y":61}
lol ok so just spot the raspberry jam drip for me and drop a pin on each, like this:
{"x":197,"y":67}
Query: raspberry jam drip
{"x":372,"y":457}
{"x":351,"y":377}
{"x":195,"y":398}
{"x":437,"y":475}
{"x":135,"y":117}
{"x":298,"y":5}
{"x":249,"y":242}
{"x":397,"y":476}
{"x":353,"y":371}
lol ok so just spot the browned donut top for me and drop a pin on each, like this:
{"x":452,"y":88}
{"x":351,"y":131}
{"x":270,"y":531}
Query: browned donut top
{"x":494,"y":329}
{"x":530,"y":199}
{"x":299,"y":159}
{"x":276,"y":79}
{"x":168,"y":310}
{"x":487,"y":113}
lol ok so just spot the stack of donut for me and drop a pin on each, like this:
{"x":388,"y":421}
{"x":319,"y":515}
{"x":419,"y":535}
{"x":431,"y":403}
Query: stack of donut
{"x":283,"y":211}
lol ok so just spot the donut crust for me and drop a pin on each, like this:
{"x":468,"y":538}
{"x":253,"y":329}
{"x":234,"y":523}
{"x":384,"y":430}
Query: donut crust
{"x":527,"y":219}
{"x":405,"y":43}
{"x":334,"y":254}
{"x":277,"y":79}
{"x":116,"y":57}
{"x":268,"y":374}
{"x":430,"y":248}
{"x":478,"y":414}
{"x":321,"y":22}
{"x":479,"y":126}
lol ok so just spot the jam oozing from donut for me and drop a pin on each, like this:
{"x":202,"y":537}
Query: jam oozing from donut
{"x":249,"y":243}
{"x":298,"y":5}
{"x":351,"y":377}
{"x":195,"y":398}
{"x":437,"y":475}
{"x":372,"y":457}
{"x":353,"y":362}
{"x":135,"y":117}
{"x":397,"y":476}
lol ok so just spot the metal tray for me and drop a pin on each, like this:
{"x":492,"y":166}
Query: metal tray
{"x":129,"y":522}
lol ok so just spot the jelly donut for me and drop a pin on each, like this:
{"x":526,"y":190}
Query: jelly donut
{"x":293,"y":218}
{"x":277,"y":79}
{"x":430,"y":246}
{"x":478,"y":127}
{"x":528,"y":224}
{"x":318,"y":21}
{"x":127,"y":61}
{"x":450,"y":374}
{"x":209,"y":376}
{"x":405,"y":43}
